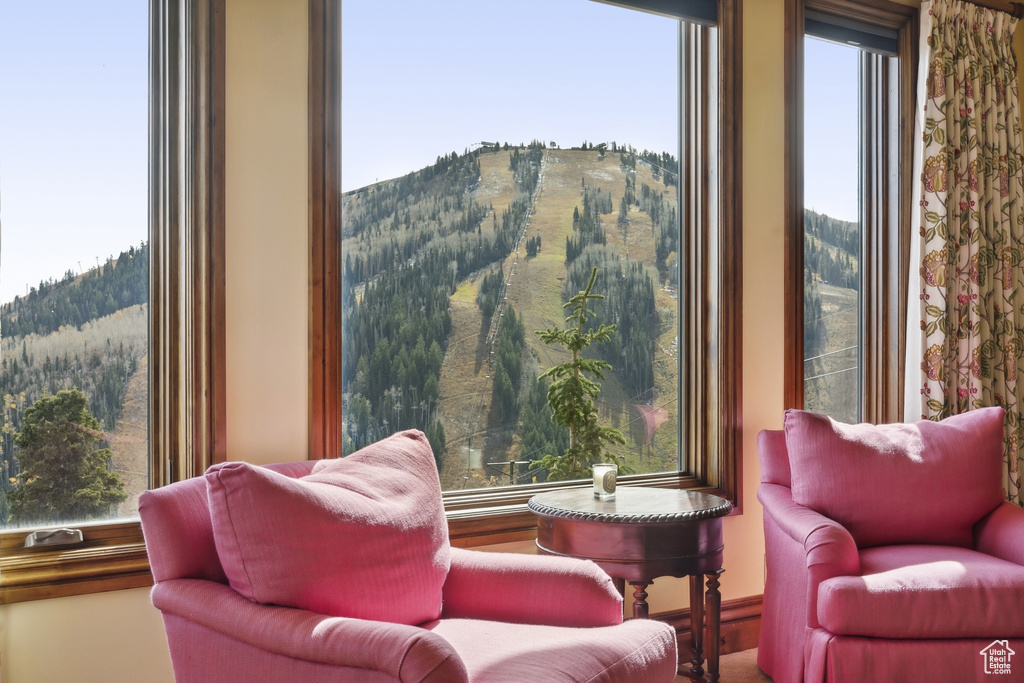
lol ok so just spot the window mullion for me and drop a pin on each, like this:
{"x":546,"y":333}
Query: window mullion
{"x":794,"y":205}
{"x":868,"y":299}
{"x":688,"y":325}
{"x":883,"y":241}
{"x":880,"y":228}
{"x":187,"y":222}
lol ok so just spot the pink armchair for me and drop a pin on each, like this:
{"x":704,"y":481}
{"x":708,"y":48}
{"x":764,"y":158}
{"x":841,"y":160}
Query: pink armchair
{"x":258,"y":579}
{"x":891,"y":554}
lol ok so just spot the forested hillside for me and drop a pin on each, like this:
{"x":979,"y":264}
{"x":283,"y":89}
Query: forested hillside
{"x":73,"y":300}
{"x":85,"y":332}
{"x":831,"y":345}
{"x":448,"y":272}
{"x":408,"y":243}
{"x":831,"y":247}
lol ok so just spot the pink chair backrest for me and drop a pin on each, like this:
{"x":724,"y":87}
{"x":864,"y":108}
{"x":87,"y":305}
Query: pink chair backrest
{"x":177,"y":529}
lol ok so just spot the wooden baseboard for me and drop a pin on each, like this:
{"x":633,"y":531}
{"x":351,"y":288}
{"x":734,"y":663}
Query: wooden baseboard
{"x":741,"y":625}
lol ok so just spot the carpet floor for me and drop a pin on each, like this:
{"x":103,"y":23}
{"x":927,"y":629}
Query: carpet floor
{"x":739,"y":667}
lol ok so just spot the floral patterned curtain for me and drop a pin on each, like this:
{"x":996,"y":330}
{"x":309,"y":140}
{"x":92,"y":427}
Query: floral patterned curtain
{"x":971,"y":278}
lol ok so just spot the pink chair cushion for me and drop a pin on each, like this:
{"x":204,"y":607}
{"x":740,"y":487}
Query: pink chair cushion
{"x":640,"y":650}
{"x":912,"y":592}
{"x":363,"y":536}
{"x":518,"y":588}
{"x":926,"y":482}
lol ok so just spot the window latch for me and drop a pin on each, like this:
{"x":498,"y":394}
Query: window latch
{"x":53,"y":537}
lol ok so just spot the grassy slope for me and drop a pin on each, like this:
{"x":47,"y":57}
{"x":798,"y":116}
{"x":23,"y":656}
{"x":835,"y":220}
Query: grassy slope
{"x":834,"y":388}
{"x":464,"y":383}
{"x":535,"y":289}
{"x":129,"y":442}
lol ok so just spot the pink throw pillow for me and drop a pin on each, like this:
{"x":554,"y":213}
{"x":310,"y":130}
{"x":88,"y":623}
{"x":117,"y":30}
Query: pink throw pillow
{"x":926,"y":482}
{"x":363,"y":536}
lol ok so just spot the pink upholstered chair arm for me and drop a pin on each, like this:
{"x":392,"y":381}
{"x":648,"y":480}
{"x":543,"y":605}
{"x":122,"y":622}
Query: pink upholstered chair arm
{"x":529,"y":589}
{"x":825,"y":541}
{"x":407,"y":653}
{"x":1001,"y":533}
{"x":829,"y":549}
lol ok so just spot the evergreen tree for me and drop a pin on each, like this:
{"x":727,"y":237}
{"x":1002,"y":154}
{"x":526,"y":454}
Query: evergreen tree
{"x":64,"y":476}
{"x":540,"y":433}
{"x":508,"y":367}
{"x":572,"y":393}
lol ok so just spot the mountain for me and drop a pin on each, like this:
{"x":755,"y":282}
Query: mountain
{"x":831,"y":315}
{"x":450,"y":270}
{"x":98,"y":292}
{"x":88,"y":332}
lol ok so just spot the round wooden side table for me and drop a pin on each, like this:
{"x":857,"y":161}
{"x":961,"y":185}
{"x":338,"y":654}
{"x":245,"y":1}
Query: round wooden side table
{"x":642,"y":534}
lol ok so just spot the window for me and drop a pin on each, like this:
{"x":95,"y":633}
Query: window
{"x":74,"y":279}
{"x":184,"y":241}
{"x":832,"y":244}
{"x":459,"y":240}
{"x":850,"y":122}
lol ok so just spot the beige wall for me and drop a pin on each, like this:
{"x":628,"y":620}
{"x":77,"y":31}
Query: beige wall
{"x":118,"y":637}
{"x":267,"y":236}
{"x":115,"y":637}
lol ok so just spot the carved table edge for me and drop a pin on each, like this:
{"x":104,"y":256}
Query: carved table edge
{"x":693,"y":515}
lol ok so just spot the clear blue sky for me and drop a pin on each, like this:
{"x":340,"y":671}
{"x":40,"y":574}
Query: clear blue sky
{"x":73,"y":135}
{"x":421,"y":79}
{"x":830,"y":128}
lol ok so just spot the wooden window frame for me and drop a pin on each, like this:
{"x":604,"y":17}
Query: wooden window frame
{"x":887,"y":113}
{"x":710,"y":365}
{"x":186,"y":315}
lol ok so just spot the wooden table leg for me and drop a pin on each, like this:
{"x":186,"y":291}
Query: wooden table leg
{"x":696,"y":627}
{"x":640,"y":608}
{"x":714,"y":609}
{"x":620,"y":585}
